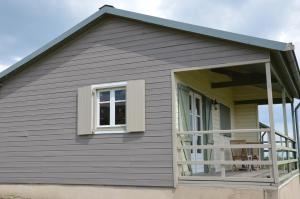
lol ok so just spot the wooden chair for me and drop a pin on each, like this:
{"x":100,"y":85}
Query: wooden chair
{"x":239,"y":154}
{"x":255,"y":154}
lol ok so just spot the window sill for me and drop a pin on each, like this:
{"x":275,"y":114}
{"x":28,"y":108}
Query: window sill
{"x":109,"y":132}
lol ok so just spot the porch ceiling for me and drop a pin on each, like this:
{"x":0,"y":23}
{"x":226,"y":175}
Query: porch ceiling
{"x":246,"y":75}
{"x":248,"y":93}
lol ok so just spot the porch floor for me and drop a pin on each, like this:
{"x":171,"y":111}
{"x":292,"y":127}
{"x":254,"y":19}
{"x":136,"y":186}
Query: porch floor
{"x":261,"y":173}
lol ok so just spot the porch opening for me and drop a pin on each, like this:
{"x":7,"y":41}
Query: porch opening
{"x":220,"y":133}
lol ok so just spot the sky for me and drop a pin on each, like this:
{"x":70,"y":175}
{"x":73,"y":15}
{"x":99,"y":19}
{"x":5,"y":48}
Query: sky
{"x":28,"y":24}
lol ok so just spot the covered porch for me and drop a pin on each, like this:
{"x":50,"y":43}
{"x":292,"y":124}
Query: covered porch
{"x":225,"y":127}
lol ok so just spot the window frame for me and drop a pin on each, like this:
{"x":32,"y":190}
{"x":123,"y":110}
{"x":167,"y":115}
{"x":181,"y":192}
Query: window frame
{"x":112,"y":107}
{"x":193,"y":112}
{"x":107,"y":129}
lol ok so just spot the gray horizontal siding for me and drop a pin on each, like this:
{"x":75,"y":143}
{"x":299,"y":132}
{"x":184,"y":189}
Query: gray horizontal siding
{"x":57,"y":114}
{"x":153,"y":93}
{"x":79,"y":181}
{"x":119,"y":65}
{"x":38,"y":141}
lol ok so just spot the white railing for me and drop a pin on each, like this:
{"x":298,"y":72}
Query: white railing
{"x":216,"y":159}
{"x":287,"y":161}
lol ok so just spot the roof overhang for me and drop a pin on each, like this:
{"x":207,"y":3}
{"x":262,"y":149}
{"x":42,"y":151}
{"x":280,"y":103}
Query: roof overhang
{"x":284,"y":64}
{"x":279,"y":47}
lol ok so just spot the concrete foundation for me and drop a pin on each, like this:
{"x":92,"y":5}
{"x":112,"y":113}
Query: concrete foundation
{"x":290,"y":190}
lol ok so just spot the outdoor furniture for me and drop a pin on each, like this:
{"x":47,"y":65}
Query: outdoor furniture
{"x":239,"y":154}
{"x":254,"y":154}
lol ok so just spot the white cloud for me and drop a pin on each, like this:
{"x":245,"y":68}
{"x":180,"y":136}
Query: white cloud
{"x":3,"y":67}
{"x":81,"y":10}
{"x":290,"y":32}
{"x":17,"y":58}
{"x":154,"y":8}
{"x":11,"y":60}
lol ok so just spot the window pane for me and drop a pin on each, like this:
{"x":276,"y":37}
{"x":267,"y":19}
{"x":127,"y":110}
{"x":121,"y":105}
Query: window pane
{"x":198,"y":124}
{"x":104,"y":96}
{"x":104,"y":114}
{"x":198,"y":106}
{"x":199,"y":142}
{"x":120,"y":117}
{"x":191,"y":122}
{"x":190,"y":103}
{"x":120,"y":94}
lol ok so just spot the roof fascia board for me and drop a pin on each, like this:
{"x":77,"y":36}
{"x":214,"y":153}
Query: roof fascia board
{"x":294,"y":69}
{"x":288,"y":73}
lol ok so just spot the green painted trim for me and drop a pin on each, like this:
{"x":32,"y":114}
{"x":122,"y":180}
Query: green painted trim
{"x":249,"y":40}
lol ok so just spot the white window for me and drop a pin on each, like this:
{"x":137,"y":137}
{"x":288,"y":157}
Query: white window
{"x":111,"y":107}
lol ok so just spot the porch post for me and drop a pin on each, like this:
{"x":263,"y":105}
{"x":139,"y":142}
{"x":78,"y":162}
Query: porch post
{"x":286,"y":143}
{"x":293,"y":120}
{"x":295,"y":130}
{"x":284,"y":112}
{"x":271,"y":121}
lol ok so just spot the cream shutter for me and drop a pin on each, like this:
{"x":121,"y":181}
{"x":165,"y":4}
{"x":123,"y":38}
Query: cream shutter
{"x":135,"y":106}
{"x":85,"y":111}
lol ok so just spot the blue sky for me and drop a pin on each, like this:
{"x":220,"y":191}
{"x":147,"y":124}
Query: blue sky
{"x":28,"y":24}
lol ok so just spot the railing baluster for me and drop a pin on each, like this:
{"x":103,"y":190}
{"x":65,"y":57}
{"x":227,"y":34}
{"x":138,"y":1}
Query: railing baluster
{"x":222,"y":157}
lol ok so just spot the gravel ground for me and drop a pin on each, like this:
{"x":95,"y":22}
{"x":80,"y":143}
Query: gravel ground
{"x":12,"y":197}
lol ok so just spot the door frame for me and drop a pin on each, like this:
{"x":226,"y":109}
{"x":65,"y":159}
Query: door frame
{"x":195,"y":115}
